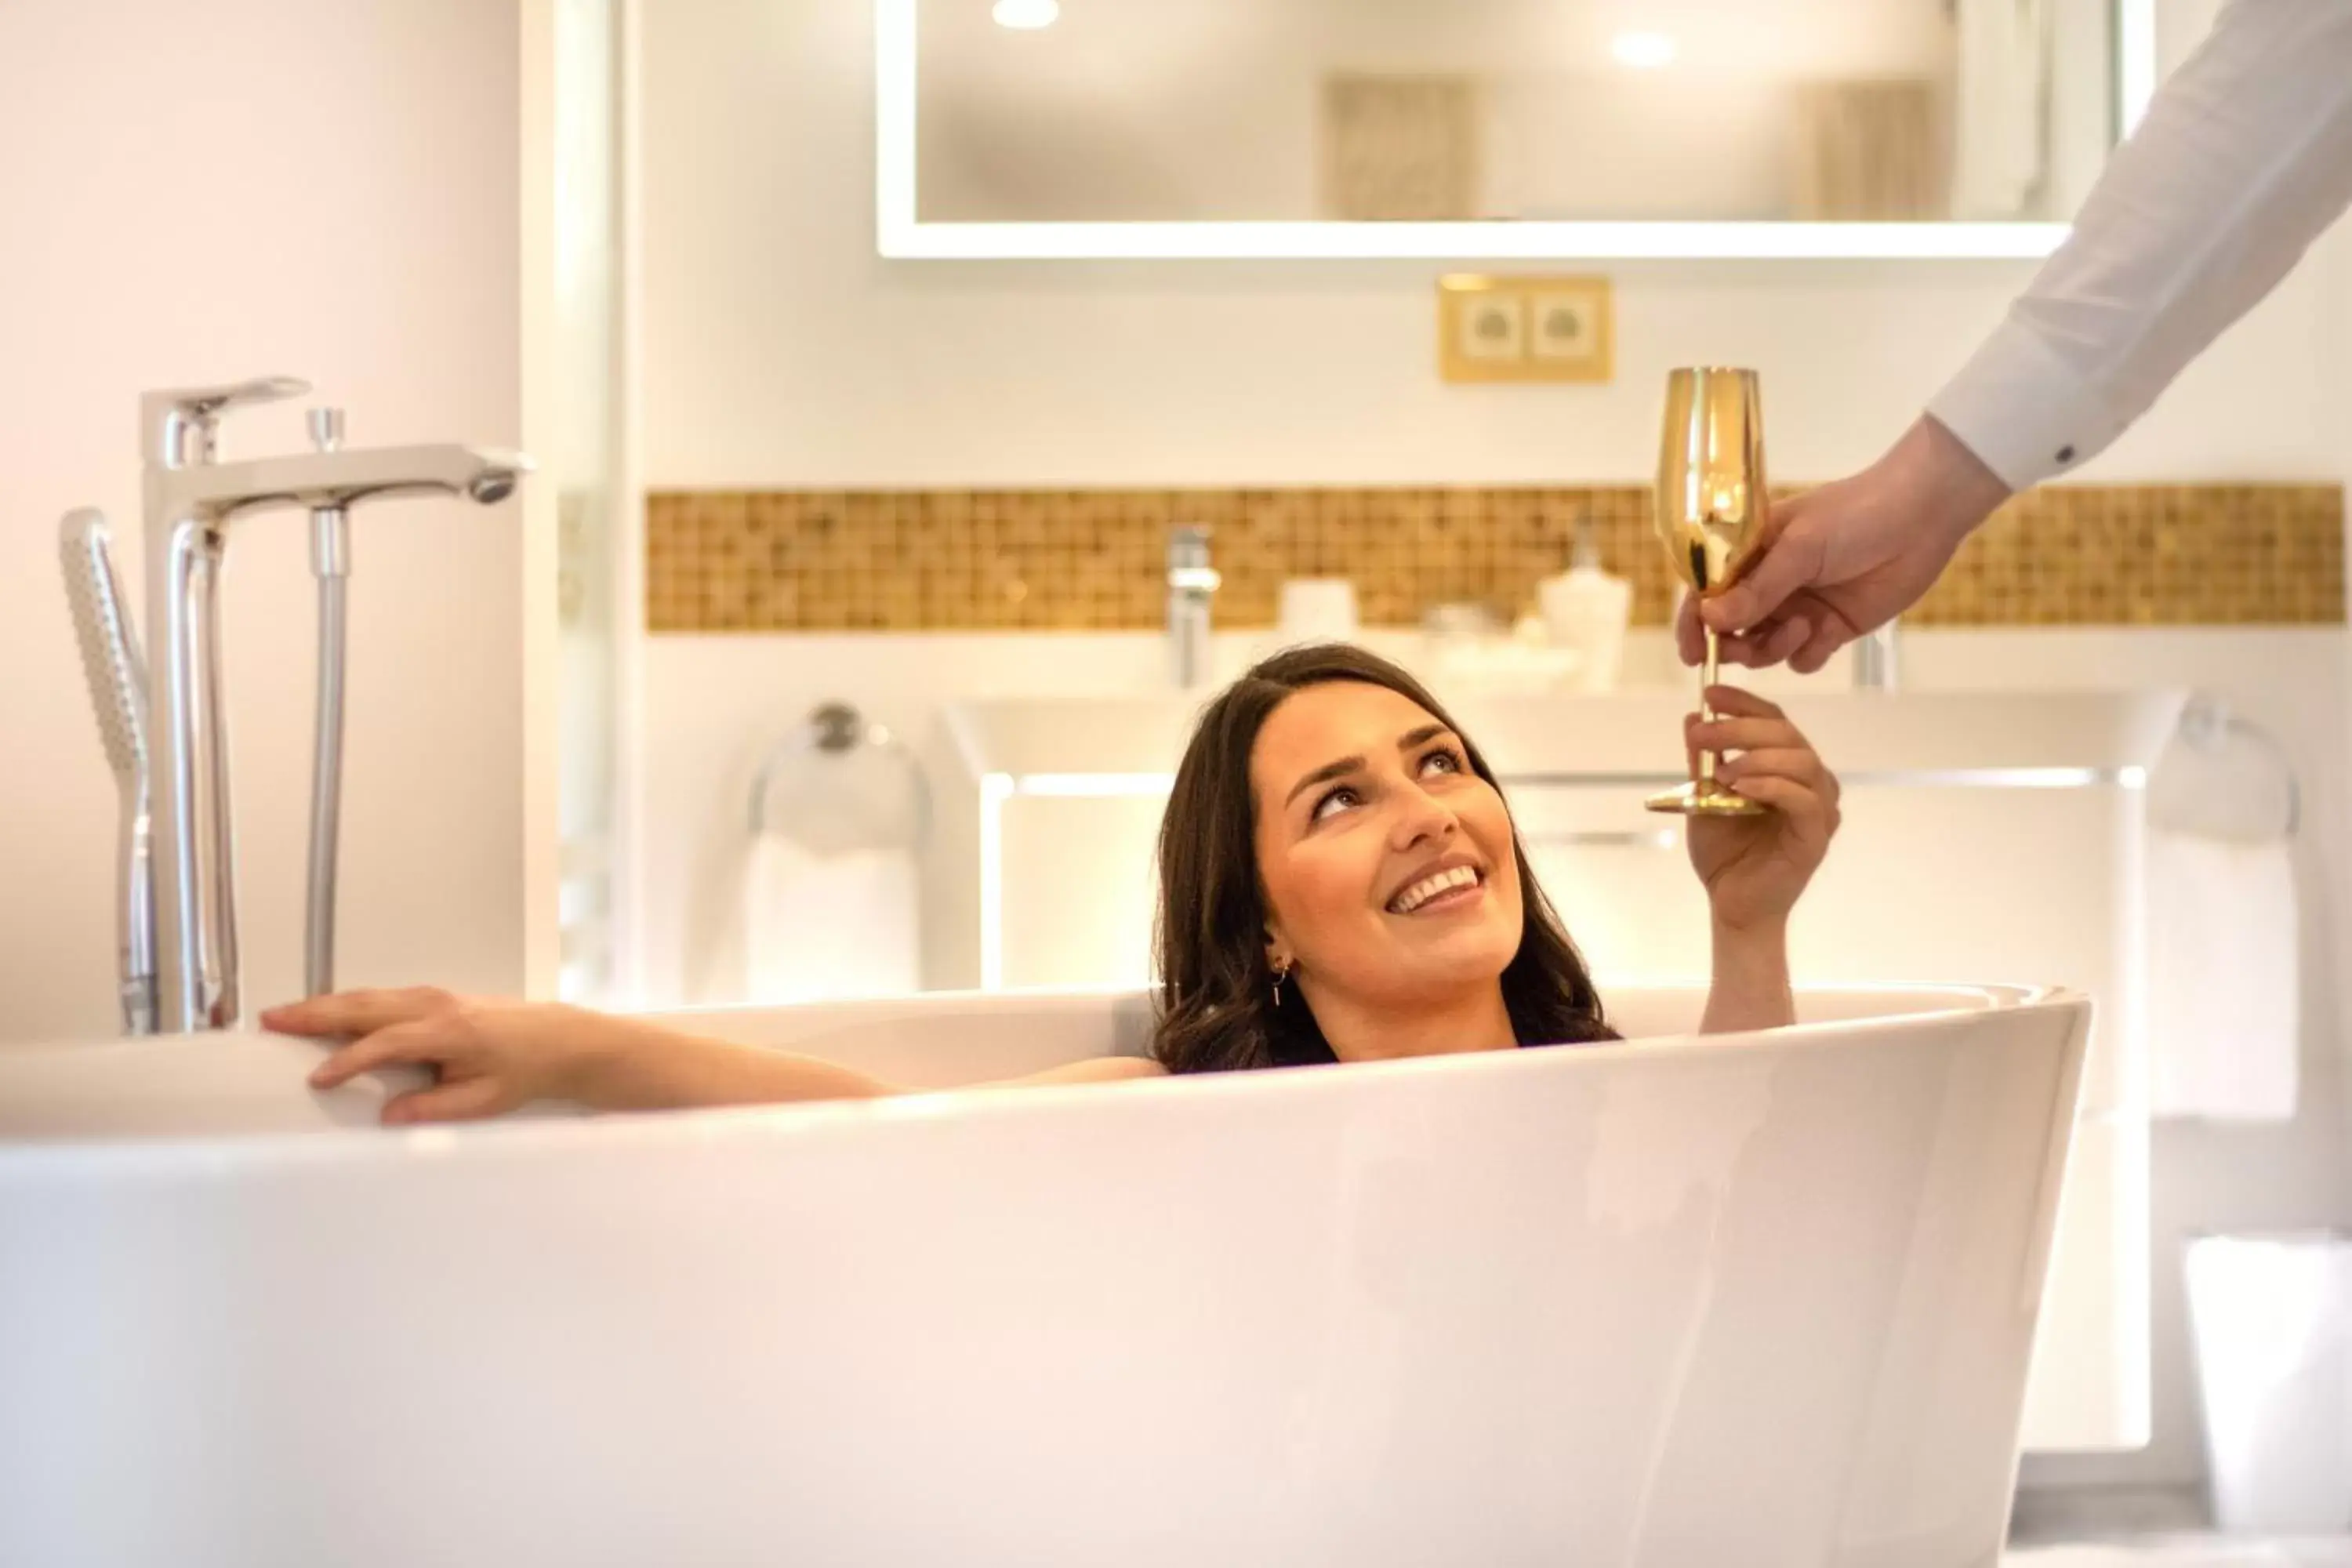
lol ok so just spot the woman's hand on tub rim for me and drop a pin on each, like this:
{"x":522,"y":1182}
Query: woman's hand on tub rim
{"x":488,"y":1057}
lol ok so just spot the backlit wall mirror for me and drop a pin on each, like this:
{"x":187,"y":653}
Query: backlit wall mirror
{"x":1502,"y":129}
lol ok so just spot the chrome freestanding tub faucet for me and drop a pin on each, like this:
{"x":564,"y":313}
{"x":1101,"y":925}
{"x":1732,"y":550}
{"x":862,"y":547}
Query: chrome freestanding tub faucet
{"x":191,"y":500}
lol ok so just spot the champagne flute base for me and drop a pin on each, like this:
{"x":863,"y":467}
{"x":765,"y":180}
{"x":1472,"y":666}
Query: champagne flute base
{"x":1710,"y":800}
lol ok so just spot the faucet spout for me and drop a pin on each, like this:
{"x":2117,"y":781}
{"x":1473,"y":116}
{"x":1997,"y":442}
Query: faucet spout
{"x":312,"y":480}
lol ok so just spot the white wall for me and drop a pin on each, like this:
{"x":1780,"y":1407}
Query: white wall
{"x":203,"y":192}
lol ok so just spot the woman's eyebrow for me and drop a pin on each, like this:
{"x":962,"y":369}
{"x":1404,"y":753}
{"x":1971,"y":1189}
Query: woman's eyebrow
{"x":1325,"y":774}
{"x":1346,"y":765}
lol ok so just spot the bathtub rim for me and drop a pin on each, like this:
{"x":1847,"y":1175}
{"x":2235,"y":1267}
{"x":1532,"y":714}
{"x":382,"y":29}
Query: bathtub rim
{"x":516,"y":1135}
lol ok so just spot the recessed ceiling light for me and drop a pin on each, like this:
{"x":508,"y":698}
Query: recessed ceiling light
{"x":1028,"y":16}
{"x":1643,"y":51}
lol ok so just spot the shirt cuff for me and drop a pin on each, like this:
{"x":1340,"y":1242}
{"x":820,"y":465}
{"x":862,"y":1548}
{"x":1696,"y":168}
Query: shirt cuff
{"x":2023,"y":410}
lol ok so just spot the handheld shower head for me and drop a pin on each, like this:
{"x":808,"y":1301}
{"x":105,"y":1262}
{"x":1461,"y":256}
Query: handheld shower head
{"x":110,"y":648}
{"x":118,"y":692}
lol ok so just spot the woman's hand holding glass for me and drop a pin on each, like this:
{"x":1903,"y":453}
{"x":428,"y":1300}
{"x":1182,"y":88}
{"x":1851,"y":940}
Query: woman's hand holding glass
{"x":1754,"y":868}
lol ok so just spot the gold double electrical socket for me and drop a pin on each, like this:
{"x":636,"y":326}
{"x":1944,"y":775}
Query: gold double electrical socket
{"x":1524,"y":329}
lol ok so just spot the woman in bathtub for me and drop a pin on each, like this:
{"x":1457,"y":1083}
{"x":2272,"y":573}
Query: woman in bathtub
{"x":1339,"y":881}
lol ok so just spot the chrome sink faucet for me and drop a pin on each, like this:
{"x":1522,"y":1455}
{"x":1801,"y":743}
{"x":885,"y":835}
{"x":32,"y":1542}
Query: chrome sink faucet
{"x":1876,"y":667}
{"x":193,"y":500}
{"x":1192,"y":588}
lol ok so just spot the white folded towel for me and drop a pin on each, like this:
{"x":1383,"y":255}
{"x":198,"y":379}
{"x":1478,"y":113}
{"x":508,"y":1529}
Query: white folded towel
{"x":2224,"y":979}
{"x":819,"y":926}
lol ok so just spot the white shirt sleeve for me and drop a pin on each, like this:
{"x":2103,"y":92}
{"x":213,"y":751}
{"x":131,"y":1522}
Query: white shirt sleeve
{"x":2244,"y":157}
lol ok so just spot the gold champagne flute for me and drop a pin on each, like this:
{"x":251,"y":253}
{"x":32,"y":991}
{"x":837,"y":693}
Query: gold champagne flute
{"x":1710,"y":516}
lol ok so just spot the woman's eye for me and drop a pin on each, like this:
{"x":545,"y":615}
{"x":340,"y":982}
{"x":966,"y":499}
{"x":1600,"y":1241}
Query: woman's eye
{"x":1447,"y":755}
{"x":1341,"y":797}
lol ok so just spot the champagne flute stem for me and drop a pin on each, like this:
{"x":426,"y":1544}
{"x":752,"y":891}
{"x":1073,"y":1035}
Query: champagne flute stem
{"x":1706,"y":713}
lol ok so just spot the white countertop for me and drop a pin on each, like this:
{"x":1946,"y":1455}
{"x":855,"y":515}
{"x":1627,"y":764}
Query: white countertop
{"x":1618,"y":735}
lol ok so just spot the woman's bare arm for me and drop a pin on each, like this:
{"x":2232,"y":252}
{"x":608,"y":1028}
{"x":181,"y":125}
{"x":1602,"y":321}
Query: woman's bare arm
{"x":643,"y":1067}
{"x":490,"y":1056}
{"x":1750,"y":988}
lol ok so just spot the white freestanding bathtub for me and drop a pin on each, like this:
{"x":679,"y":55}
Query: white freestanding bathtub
{"x":1755,"y":1300}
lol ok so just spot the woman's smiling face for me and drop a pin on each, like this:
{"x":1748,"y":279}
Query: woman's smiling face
{"x":1389,"y":871}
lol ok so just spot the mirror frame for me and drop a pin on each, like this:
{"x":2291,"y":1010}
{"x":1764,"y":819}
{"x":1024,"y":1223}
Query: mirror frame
{"x":900,"y":235}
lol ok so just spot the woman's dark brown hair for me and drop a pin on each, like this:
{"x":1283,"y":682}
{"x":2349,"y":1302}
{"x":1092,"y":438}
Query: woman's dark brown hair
{"x":1217,"y":1008}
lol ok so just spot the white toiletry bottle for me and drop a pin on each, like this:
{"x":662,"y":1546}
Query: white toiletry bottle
{"x":1587,"y":609}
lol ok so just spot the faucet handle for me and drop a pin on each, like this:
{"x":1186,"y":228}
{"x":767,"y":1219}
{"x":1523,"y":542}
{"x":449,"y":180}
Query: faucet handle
{"x":178,"y":426}
{"x":202,"y":402}
{"x":326,"y":430}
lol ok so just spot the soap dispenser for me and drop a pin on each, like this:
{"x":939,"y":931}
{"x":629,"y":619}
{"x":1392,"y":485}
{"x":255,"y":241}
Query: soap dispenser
{"x":1587,"y":609}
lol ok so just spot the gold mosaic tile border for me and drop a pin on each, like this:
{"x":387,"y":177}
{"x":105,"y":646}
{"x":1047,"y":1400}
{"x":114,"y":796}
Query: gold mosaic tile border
{"x":1094,"y":560}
